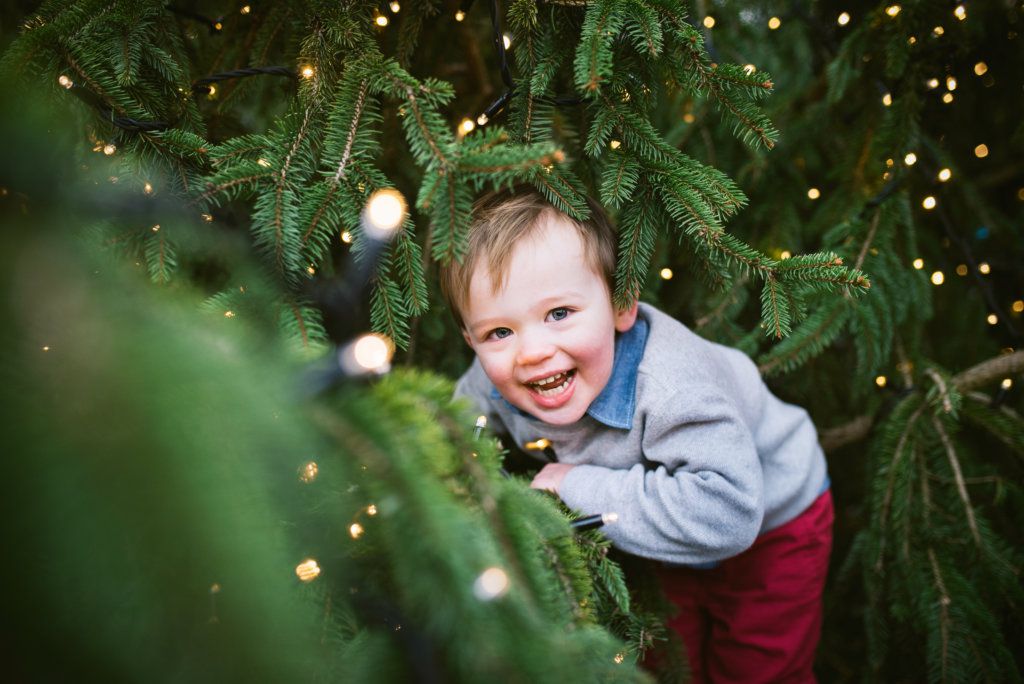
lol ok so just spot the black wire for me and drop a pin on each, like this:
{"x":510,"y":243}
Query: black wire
{"x":499,"y":45}
{"x":215,"y":25}
{"x":200,"y":85}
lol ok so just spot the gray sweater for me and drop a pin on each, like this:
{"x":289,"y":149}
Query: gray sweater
{"x":685,"y":443}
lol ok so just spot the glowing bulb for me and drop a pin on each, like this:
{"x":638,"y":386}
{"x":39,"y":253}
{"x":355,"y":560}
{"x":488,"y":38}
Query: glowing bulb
{"x":213,"y":91}
{"x":311,"y":270}
{"x":1007,"y":383}
{"x":749,"y":69}
{"x":308,"y":570}
{"x":371,"y":510}
{"x":619,"y":657}
{"x":887,"y":99}
{"x":218,"y":26}
{"x":156,"y":228}
{"x":938,"y":278}
{"x":945,"y":175}
{"x":355,"y":530}
{"x":950,"y":83}
{"x":919,"y":263}
{"x":928,"y":202}
{"x":460,"y":15}
{"x":372,"y":352}
{"x":666,"y":274}
{"x":813,"y":193}
{"x":774,"y":23}
{"x":539,"y":445}
{"x":1018,"y":306}
{"x":984,"y":268}
{"x":938,"y":30}
{"x":307,"y":72}
{"x":947,"y":98}
{"x":395,"y":7}
{"x":109,"y":149}
{"x":785,"y":254}
{"x":346,"y":237}
{"x":910,"y":159}
{"x":992,"y":319}
{"x":46,"y":347}
{"x":881,"y":380}
{"x":65,"y":82}
{"x":843,"y":19}
{"x":506,"y":41}
{"x":981,"y":151}
{"x":148,"y":188}
{"x":466,"y":126}
{"x":263,"y":162}
{"x":308,"y":472}
{"x":482,"y":120}
{"x":381,"y":20}
{"x":615,"y":144}
{"x":980,"y":68}
{"x":491,"y":584}
{"x":709,"y":22}
{"x":933,"y":83}
{"x":961,"y":270}
{"x":245,"y":9}
{"x":960,"y":12}
{"x":384,"y":213}
{"x":229,"y":314}
{"x":893,"y":10}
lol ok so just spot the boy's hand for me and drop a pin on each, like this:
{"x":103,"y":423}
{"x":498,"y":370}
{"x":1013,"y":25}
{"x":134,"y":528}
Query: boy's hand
{"x":550,"y":476}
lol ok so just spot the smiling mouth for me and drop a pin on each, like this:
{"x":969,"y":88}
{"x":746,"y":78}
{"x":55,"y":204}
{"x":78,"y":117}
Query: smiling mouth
{"x":553,"y":385}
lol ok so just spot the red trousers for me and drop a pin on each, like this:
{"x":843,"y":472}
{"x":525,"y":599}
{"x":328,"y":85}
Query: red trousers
{"x":757,"y":616}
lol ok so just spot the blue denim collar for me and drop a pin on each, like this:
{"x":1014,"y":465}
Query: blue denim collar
{"x":616,"y":403}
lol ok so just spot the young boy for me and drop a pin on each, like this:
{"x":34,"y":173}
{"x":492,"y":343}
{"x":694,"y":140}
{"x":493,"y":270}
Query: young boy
{"x":709,"y":473}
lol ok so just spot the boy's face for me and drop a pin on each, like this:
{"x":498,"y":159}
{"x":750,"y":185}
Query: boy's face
{"x":547,"y":338}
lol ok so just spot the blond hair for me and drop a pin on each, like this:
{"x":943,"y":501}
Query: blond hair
{"x":500,"y":220}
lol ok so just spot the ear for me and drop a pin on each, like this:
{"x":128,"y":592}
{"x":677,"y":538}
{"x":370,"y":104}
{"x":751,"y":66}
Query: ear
{"x":465,"y":336}
{"x":625,"y":318}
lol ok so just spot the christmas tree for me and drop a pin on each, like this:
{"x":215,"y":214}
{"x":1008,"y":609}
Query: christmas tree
{"x":849,"y":221}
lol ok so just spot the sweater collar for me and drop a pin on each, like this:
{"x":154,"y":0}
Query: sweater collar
{"x":616,"y":403}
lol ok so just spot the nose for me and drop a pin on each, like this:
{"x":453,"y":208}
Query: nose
{"x":534,"y":348}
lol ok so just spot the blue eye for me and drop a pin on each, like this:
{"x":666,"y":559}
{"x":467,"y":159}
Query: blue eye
{"x":500,"y":333}
{"x":559,"y":314}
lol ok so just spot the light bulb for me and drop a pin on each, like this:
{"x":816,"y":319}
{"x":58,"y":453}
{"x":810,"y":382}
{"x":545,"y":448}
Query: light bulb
{"x":308,"y":570}
{"x":491,"y":584}
{"x":881,"y":380}
{"x":65,"y":82}
{"x":910,"y":159}
{"x":945,"y":175}
{"x":928,"y":202}
{"x":918,"y":263}
{"x":938,"y":278}
{"x":813,"y":193}
{"x":774,"y":23}
{"x":981,"y":151}
{"x":893,"y":10}
{"x":843,"y":19}
{"x":709,"y":22}
{"x":384,"y":213}
{"x":307,"y":71}
{"x":666,"y":274}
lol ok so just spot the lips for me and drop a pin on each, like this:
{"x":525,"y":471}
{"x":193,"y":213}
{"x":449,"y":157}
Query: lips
{"x":552,"y":385}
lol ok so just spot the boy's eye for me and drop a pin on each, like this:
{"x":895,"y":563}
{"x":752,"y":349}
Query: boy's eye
{"x":500,"y":333}
{"x":559,"y":313}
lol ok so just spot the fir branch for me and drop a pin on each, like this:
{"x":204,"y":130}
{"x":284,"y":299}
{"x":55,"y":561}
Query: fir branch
{"x":944,"y":601}
{"x":961,"y":487}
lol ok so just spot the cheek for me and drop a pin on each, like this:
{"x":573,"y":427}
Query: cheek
{"x":497,"y":368}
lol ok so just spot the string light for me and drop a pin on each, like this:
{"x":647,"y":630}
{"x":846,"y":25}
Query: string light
{"x":945,"y":175}
{"x":466,"y":126}
{"x":539,"y":445}
{"x":491,"y":584}
{"x":208,"y":218}
{"x":984,"y":268}
{"x":308,"y":472}
{"x":918,"y":263}
{"x":213,"y":92}
{"x":689,"y":117}
{"x":148,"y":188}
{"x":928,"y":202}
{"x":229,"y":314}
{"x":619,"y":657}
{"x":960,"y":12}
{"x":933,"y":83}
{"x":381,"y":20}
{"x":308,"y":570}
{"x":709,"y":22}
{"x":887,"y":100}
{"x":1018,"y":306}
{"x":910,"y":159}
{"x":774,"y":23}
{"x":384,"y":212}
{"x":482,"y":120}
{"x":980,"y":68}
{"x":46,"y":347}
{"x":1006,"y":384}
{"x":881,"y":380}
{"x":65,"y":82}
{"x":307,"y":71}
{"x":992,"y":319}
{"x":749,"y":69}
{"x":355,"y":530}
{"x":395,"y":7}
{"x":938,"y":278}
{"x":109,"y":149}
{"x":245,"y":9}
{"x":615,"y":144}
{"x":263,"y":162}
{"x":893,"y":10}
{"x":460,"y":15}
{"x":371,"y":510}
{"x":843,"y":19}
{"x":311,"y":270}
{"x":961,"y":270}
{"x":666,"y":274}
{"x":938,"y":31}
{"x":813,"y":193}
{"x":372,"y":353}
{"x":950,"y":83}
{"x":156,"y":228}
{"x":346,"y":237}
{"x":218,"y":26}
{"x":785,"y":254}
{"x":947,"y":98}
{"x":507,"y":40}
{"x":981,"y":151}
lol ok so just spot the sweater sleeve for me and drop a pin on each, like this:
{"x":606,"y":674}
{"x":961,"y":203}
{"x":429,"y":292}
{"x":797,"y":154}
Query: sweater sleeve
{"x":696,"y":496}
